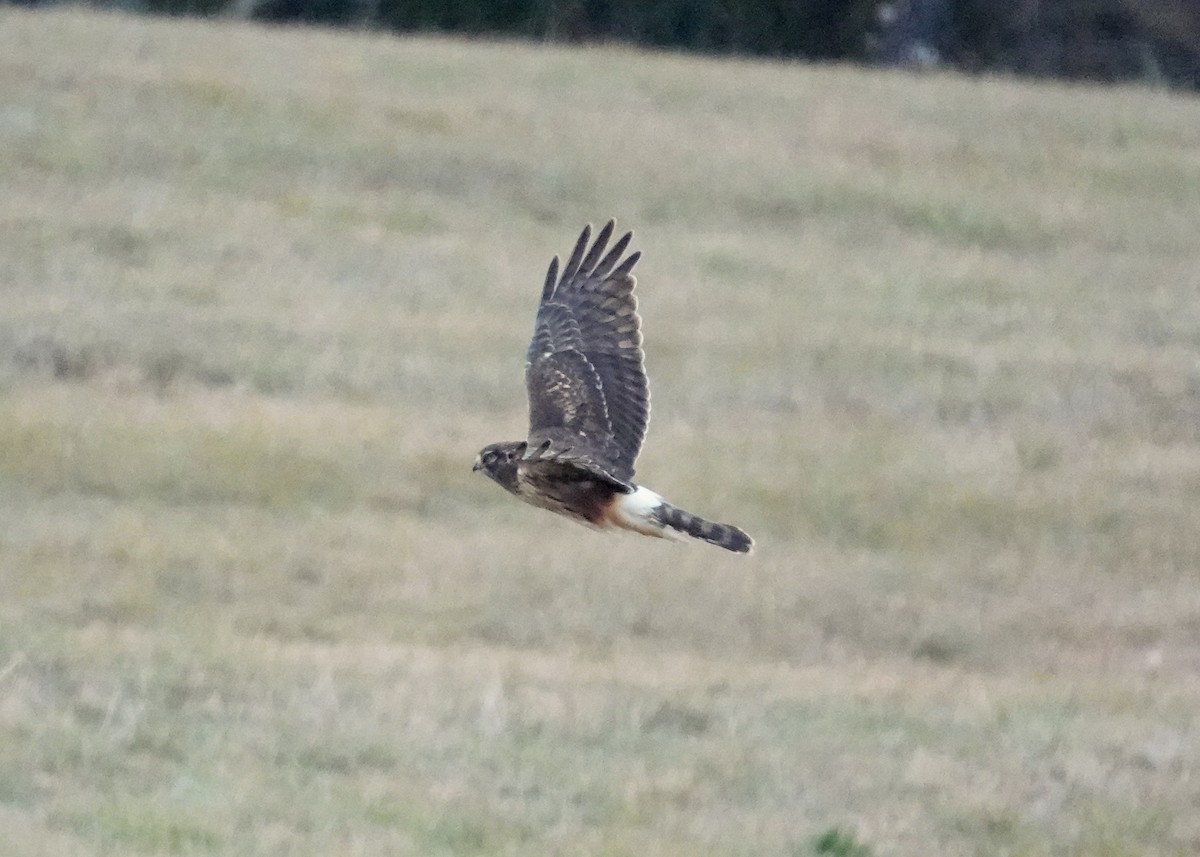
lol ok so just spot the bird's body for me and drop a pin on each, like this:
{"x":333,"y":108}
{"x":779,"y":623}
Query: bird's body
{"x":589,"y":404}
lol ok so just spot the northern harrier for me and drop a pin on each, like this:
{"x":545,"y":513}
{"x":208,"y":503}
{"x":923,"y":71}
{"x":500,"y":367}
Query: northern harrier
{"x":589,"y":404}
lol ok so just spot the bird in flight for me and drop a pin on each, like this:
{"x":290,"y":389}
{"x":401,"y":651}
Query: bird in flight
{"x":589,"y":403}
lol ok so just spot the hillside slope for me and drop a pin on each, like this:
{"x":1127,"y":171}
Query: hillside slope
{"x":931,"y":340}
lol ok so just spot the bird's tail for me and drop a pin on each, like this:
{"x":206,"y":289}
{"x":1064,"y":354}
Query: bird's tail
{"x":647,"y":513}
{"x":722,"y":535}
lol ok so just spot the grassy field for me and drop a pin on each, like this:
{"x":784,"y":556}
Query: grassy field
{"x":265,"y":292}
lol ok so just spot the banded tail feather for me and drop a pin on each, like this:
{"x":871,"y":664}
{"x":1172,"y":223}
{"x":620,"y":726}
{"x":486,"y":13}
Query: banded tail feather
{"x":722,"y":535}
{"x":649,"y":514}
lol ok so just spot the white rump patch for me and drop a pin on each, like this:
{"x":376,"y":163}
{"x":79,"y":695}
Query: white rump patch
{"x":636,"y":512}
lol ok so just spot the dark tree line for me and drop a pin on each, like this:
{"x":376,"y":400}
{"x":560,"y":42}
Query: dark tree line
{"x":1104,"y":40}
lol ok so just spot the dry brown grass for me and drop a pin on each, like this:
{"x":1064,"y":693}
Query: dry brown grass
{"x":265,"y":292}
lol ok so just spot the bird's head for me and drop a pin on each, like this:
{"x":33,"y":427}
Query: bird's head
{"x":499,"y":462}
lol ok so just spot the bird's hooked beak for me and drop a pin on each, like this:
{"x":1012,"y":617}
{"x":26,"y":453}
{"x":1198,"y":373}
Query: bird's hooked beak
{"x":478,"y":465}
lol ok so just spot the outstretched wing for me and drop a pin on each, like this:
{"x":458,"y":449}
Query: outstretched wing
{"x":584,"y":369}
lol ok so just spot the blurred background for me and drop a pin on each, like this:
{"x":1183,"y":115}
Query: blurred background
{"x":931,"y":337}
{"x":1155,"y":41}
